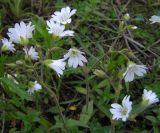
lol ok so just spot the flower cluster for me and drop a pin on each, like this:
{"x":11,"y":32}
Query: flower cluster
{"x":123,"y":111}
{"x":133,"y":70}
{"x":22,"y":33}
{"x":56,"y":27}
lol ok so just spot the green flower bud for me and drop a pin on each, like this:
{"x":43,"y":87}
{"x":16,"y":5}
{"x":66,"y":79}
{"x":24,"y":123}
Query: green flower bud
{"x":126,"y":17}
{"x":99,"y":73}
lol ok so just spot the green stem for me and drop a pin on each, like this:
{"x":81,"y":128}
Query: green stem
{"x":3,"y":121}
{"x":53,"y":95}
{"x":139,"y":109}
{"x":87,"y":87}
{"x":112,"y":127}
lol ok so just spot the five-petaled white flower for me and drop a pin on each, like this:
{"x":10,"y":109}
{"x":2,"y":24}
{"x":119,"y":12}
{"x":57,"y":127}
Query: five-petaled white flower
{"x":121,"y":111}
{"x":133,"y":70}
{"x":155,"y":19}
{"x":31,"y":53}
{"x":34,"y":86}
{"x":7,"y":45}
{"x":21,"y":33}
{"x":56,"y":65}
{"x":149,"y":97}
{"x":75,"y":58}
{"x":58,"y":30}
{"x":64,"y":16}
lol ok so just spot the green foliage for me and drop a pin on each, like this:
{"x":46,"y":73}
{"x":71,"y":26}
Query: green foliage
{"x":86,"y":113}
{"x":12,"y":88}
{"x":15,"y":6}
{"x":96,"y":127}
{"x":79,"y":101}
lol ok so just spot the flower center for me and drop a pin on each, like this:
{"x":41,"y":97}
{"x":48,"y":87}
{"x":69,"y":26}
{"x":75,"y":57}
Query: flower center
{"x":74,"y":53}
{"x":124,"y":111}
{"x":146,"y":101}
{"x":24,"y":40}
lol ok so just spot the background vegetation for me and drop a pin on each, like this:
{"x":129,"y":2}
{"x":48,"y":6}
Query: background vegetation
{"x":79,"y":101}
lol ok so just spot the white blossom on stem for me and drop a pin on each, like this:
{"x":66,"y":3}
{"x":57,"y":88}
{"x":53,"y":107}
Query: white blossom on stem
{"x":75,"y":58}
{"x":34,"y":86}
{"x":132,"y":70}
{"x":21,"y":33}
{"x":57,"y":65}
{"x":31,"y":53}
{"x":58,"y":30}
{"x":149,"y":97}
{"x":64,"y":16}
{"x":7,"y":45}
{"x":121,"y":111}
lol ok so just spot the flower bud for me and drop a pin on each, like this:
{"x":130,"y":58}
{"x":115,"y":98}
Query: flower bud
{"x":126,"y":17}
{"x":132,"y":27}
{"x":99,"y":73}
{"x":19,"y":62}
{"x":121,"y":26}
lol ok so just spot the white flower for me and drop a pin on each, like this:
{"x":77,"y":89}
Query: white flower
{"x":21,"y":33}
{"x":31,"y":53}
{"x":149,"y":97}
{"x":56,"y":65}
{"x":7,"y":45}
{"x":75,"y":58}
{"x":121,"y":111}
{"x":58,"y":30}
{"x":64,"y":16}
{"x":155,"y":19}
{"x":133,"y":70}
{"x":34,"y":86}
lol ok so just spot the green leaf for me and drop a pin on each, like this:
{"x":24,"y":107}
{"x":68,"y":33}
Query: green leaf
{"x":81,"y":90}
{"x":16,"y":7}
{"x":11,"y":86}
{"x":86,"y":112}
{"x":74,"y":130}
{"x":2,"y":63}
{"x":75,"y":123}
{"x":45,"y":122}
{"x":55,"y":109}
{"x":103,"y":109}
{"x":38,"y":130}
{"x":42,"y":33}
{"x":69,"y":123}
{"x":152,"y":119}
{"x":96,"y":127}
{"x":103,"y":83}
